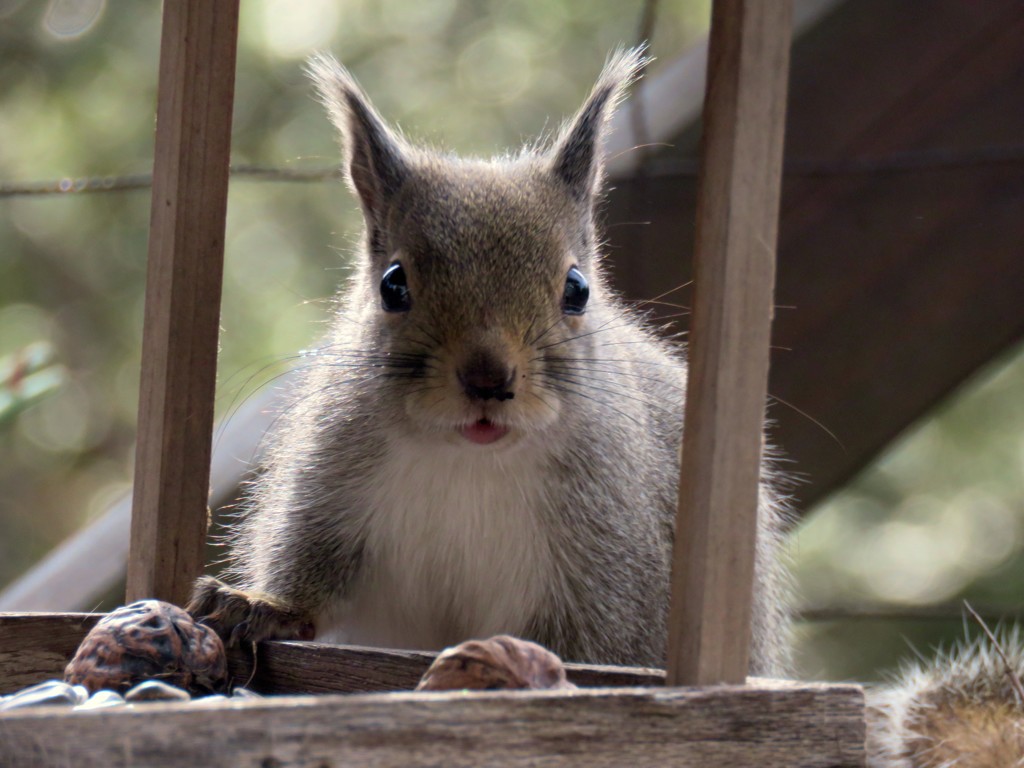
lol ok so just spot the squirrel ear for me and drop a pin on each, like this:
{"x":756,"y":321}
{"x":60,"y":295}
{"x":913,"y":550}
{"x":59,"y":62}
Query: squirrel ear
{"x":577,"y":158}
{"x":374,"y":156}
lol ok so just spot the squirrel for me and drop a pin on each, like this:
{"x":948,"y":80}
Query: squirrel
{"x":489,"y":441}
{"x":488,"y":444}
{"x":962,"y":709}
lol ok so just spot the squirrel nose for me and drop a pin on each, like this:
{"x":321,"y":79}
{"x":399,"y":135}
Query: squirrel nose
{"x":484,"y":378}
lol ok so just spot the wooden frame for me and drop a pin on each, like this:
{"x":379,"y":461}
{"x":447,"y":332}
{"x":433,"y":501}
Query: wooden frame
{"x":182,"y":322}
{"x":763,"y":723}
{"x":734,"y":269}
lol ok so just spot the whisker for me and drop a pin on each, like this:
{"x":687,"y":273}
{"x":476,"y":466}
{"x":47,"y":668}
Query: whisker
{"x":680,"y":334}
{"x":567,"y":389}
{"x":811,"y":419}
{"x":545,"y":332}
{"x":602,"y":329}
{"x":540,"y":399}
{"x":585,"y":369}
{"x":636,"y":304}
{"x":679,"y":287}
{"x":296,"y":403}
{"x":526,"y":333}
{"x":238,"y":400}
{"x":629,"y":361}
{"x":419,"y":327}
{"x":676,"y":315}
{"x":626,"y":394}
{"x":273,"y":360}
{"x":425,"y":389}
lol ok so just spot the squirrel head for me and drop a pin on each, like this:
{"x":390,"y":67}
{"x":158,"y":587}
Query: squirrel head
{"x":479,"y":278}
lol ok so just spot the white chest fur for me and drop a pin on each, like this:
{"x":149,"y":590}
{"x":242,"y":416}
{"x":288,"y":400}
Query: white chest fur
{"x":454,"y":549}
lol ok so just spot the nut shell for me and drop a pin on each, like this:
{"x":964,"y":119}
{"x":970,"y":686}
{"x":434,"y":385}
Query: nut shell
{"x":148,"y":640}
{"x":500,"y":663}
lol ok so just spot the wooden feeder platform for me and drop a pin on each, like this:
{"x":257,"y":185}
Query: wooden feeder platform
{"x":702,"y":711}
{"x":627,"y":717}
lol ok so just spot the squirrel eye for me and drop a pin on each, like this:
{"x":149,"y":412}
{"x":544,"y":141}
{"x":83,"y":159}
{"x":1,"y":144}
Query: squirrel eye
{"x":394,"y":290}
{"x":576,"y":293}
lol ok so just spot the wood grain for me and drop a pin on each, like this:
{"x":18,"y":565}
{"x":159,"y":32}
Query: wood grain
{"x":37,"y":647}
{"x":794,"y":726}
{"x":296,"y":667}
{"x":183,"y":287}
{"x":737,"y":221}
{"x":765,"y":724}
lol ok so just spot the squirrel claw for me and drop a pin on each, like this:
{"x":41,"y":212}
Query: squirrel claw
{"x":238,"y":617}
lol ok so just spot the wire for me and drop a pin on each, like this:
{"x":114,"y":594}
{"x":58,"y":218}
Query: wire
{"x":917,"y":161}
{"x":940,"y":612}
{"x":93,"y":184}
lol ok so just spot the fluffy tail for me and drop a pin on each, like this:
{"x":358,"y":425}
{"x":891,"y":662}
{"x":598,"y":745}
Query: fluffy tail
{"x":962,"y":710}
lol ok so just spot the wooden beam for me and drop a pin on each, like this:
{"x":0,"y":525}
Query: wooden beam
{"x":748,"y":726}
{"x":183,"y":287}
{"x":37,"y":646}
{"x":737,"y":222}
{"x":742,"y":727}
{"x":302,"y":667}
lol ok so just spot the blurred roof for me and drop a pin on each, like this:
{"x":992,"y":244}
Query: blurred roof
{"x":901,"y":246}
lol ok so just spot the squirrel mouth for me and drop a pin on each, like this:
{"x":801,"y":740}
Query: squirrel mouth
{"x":483,"y":432}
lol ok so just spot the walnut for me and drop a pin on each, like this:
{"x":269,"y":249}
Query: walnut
{"x":501,"y":663}
{"x":149,"y":640}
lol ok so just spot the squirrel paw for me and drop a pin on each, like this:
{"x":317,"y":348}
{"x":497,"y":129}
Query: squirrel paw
{"x":239,"y":617}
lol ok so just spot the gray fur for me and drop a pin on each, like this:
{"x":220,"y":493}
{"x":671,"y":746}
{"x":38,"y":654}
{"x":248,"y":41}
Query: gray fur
{"x":587,"y":477}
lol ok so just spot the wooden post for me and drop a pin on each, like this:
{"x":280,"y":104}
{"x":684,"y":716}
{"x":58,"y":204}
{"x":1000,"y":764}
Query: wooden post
{"x":183,"y":286}
{"x":737,"y":221}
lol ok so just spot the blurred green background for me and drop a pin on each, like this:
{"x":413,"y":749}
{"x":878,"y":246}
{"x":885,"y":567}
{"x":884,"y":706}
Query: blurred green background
{"x":939,"y":516}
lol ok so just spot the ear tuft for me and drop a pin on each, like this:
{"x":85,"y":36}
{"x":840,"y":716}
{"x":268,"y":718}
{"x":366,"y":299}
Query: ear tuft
{"x":577,"y":159}
{"x":374,"y":155}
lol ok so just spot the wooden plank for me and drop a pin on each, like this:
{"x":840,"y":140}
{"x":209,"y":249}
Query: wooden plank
{"x":183,"y":286}
{"x":737,"y":220}
{"x":808,"y":725}
{"x":769,"y":723}
{"x":297,"y":667}
{"x":37,"y":647}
